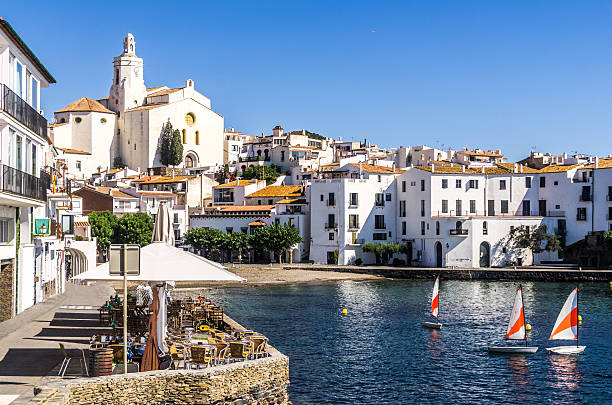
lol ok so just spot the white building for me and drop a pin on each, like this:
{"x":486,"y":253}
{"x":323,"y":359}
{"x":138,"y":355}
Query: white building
{"x":354,"y":204}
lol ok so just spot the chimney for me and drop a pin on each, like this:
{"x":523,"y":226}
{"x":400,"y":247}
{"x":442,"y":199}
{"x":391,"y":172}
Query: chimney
{"x":452,"y":164}
{"x":521,"y":168}
{"x":277,"y":130}
{"x":463,"y":168}
{"x":304,"y":132}
{"x":596,"y":162}
{"x":172,"y":174}
{"x":433,"y":168}
{"x":482,"y":169}
{"x":515,"y":168}
{"x":188,"y":83}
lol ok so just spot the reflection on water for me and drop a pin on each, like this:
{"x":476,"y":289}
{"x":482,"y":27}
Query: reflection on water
{"x":380,"y":353}
{"x":565,"y":370}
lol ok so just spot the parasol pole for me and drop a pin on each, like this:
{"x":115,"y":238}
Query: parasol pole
{"x":125,"y":297}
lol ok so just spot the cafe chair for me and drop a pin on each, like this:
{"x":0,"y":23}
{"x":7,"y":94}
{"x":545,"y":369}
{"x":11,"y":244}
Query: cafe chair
{"x":201,"y":355}
{"x":67,"y":359}
{"x":222,"y":352}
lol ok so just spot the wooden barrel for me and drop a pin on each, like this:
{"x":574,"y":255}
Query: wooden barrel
{"x":101,"y":362}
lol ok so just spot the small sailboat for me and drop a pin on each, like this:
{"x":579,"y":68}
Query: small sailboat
{"x":434,"y":307}
{"x":566,"y":326}
{"x":516,"y":329}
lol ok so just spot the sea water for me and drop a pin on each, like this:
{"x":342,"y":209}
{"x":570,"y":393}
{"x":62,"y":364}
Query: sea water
{"x":380,"y":353}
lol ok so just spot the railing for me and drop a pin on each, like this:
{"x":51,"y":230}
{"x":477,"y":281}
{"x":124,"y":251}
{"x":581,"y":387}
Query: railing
{"x":24,"y":184}
{"x":224,"y":199}
{"x":380,"y":226}
{"x":580,"y":217}
{"x":452,"y":213}
{"x":331,"y":226}
{"x":17,"y":108}
{"x":330,"y":202}
{"x":458,"y":232}
{"x":608,"y":197}
{"x":254,"y":159}
{"x":585,"y":197}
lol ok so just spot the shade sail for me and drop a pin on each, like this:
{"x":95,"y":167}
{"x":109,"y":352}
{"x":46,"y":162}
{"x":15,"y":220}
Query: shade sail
{"x":161,"y":262}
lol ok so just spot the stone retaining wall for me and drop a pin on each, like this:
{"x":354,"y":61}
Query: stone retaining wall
{"x":527,"y":274}
{"x":261,"y":381}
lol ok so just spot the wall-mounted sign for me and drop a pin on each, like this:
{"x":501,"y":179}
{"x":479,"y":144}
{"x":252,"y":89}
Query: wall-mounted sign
{"x":42,"y":227}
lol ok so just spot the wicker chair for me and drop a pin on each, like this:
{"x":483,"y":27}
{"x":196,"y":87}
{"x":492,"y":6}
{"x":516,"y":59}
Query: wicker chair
{"x":239,"y":350}
{"x":201,"y":355}
{"x":223,"y":352}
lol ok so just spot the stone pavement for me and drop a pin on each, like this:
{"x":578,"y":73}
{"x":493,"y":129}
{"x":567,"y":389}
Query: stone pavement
{"x":29,"y":347}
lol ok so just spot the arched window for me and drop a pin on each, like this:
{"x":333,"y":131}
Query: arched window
{"x":266,"y":153}
{"x":63,"y":120}
{"x":116,"y":79}
{"x":188,"y":161}
{"x":184,"y":136}
{"x":485,"y":230}
{"x":197,"y":137}
{"x":437,"y":227}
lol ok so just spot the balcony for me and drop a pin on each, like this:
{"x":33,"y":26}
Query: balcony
{"x":224,"y":199}
{"x":609,"y":197}
{"x":330,"y":203}
{"x":331,"y":225}
{"x":458,"y":232}
{"x":585,"y":197}
{"x":17,"y":108}
{"x":581,"y":217}
{"x":23,"y":184}
{"x":255,"y":159}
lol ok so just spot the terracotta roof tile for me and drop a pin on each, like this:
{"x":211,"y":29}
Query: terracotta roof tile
{"x":59,"y":124}
{"x":238,"y":183}
{"x":169,"y":179}
{"x":558,"y":168}
{"x":603,"y":163}
{"x":85,"y":104}
{"x":377,"y":169}
{"x":74,"y":151}
{"x":239,"y":208}
{"x":112,"y":192}
{"x":257,"y":223}
{"x":278,"y":191}
{"x":145,"y":107}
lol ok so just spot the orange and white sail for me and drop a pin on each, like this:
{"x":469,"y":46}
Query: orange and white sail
{"x":516,"y":326}
{"x":434,"y":298}
{"x":566,"y":326}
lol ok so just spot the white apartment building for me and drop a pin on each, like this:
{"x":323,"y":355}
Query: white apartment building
{"x":352,"y":205}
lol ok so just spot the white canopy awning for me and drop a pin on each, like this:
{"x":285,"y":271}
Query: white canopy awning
{"x":161,"y":262}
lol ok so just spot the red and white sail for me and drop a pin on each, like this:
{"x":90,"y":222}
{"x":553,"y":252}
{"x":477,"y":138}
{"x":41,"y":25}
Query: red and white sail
{"x":566,"y":326}
{"x":516,"y":326}
{"x":434,"y":298}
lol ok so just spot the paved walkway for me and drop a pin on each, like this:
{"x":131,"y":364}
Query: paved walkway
{"x":29,"y":347}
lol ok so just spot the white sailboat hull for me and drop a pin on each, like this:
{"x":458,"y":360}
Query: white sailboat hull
{"x":513,"y":349}
{"x":565,"y":349}
{"x":432,"y":325}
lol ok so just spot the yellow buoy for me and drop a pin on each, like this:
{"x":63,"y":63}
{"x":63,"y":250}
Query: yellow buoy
{"x":344,"y":311}
{"x":579,"y":318}
{"x":528,"y":326}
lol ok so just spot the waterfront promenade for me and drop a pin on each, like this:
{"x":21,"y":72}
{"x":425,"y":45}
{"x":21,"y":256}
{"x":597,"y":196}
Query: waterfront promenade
{"x":29,"y":347}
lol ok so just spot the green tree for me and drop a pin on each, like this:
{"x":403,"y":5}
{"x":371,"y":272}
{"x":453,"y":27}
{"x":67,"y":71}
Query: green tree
{"x":118,"y":163}
{"x":269,"y":173}
{"x":235,"y":242}
{"x":535,"y":238}
{"x":176,"y":149}
{"x":208,"y":241}
{"x":166,"y":143}
{"x":276,"y":238}
{"x":224,"y":173}
{"x":383,"y":251}
{"x":134,"y":228}
{"x":103,"y":225}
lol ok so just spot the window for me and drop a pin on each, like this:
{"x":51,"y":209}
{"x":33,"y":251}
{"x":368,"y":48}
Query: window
{"x":422,"y":185}
{"x":331,"y":221}
{"x":19,"y":81}
{"x":379,"y":200}
{"x":542,"y":182}
{"x":277,"y":221}
{"x":322,"y":197}
{"x":472,"y":206}
{"x":19,"y":153}
{"x":502,"y":184}
{"x":402,"y":208}
{"x":422,"y":227}
{"x":458,"y":207}
{"x":485,"y":230}
{"x":354,"y":199}
{"x":526,"y":208}
{"x":379,"y":222}
{"x":229,"y":229}
{"x":331,"y":236}
{"x":437,"y":228}
{"x":78,"y":120}
{"x":244,"y":229}
{"x":282,"y":155}
{"x":353,"y":221}
{"x":444,"y":183}
{"x":184,"y":136}
{"x":197,"y":137}
{"x":35,"y":94}
{"x":403,"y":227}
{"x":331,"y":199}
{"x":78,"y":165}
{"x":403,"y":186}
{"x":388,"y":197}
{"x":292,"y":222}
{"x":379,"y":178}
{"x":5,"y":225}
{"x":473,"y":184}
{"x":116,"y":76}
{"x":457,"y":183}
{"x":555,"y":183}
{"x":581,"y":214}
{"x":445,"y":206}
{"x":270,"y":202}
{"x":504,"y":206}
{"x":34,"y":162}
{"x":422,"y":208}
{"x":68,"y":224}
{"x":379,"y":236}
{"x":527,"y":182}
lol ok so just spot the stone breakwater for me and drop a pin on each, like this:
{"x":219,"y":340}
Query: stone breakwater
{"x":493,"y":274}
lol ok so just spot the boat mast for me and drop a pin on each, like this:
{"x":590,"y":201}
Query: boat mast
{"x":523,"y":313}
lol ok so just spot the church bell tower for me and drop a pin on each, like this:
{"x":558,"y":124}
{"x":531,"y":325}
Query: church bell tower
{"x":128,"y":89}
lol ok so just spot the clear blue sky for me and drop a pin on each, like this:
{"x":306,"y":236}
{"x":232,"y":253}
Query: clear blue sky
{"x":489,"y":74}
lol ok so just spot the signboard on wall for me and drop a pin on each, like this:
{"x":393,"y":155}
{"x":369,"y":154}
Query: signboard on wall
{"x":42,"y":226}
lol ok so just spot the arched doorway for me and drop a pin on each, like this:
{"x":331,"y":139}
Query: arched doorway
{"x":188,"y":161}
{"x":438,"y":254}
{"x":485,"y":254}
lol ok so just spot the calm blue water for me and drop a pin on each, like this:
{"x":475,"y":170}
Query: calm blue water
{"x":380,"y":353}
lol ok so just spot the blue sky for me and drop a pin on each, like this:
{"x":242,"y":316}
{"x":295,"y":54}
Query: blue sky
{"x":490,"y":74}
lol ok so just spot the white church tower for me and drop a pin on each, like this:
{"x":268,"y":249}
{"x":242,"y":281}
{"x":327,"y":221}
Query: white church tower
{"x":128,"y":89}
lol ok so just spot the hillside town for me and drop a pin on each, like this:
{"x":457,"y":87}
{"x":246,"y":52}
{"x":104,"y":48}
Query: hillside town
{"x":143,"y":144}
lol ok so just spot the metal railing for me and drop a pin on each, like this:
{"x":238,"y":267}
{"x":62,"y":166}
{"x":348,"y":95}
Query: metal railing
{"x":608,"y":197}
{"x":458,"y":232}
{"x":254,"y":159}
{"x":224,"y":199}
{"x":331,"y":226}
{"x":17,"y":182}
{"x":520,"y":213}
{"x":585,"y":197}
{"x":19,"y":109}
